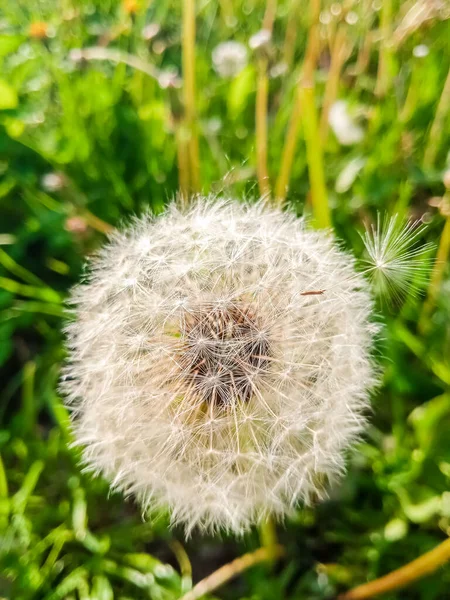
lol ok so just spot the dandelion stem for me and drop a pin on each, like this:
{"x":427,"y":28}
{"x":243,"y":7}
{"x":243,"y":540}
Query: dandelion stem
{"x":268,"y":533}
{"x":28,"y":398}
{"x":182,"y":163}
{"x":184,"y":563}
{"x":291,"y":34}
{"x":287,"y":156}
{"x":97,"y":223}
{"x":262,"y":103}
{"x":231,"y":570}
{"x":338,"y":56}
{"x":437,"y":274}
{"x":262,"y":96}
{"x":269,"y":15}
{"x":437,"y":127}
{"x":424,"y":565}
{"x":385,"y":54}
{"x":188,"y":61}
{"x":363,"y":59}
{"x":321,"y":210}
{"x":117,"y":56}
{"x":226,"y":8}
{"x":290,"y":144}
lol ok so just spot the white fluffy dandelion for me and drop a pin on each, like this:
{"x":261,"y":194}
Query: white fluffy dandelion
{"x":219,"y":362}
{"x":229,"y":58}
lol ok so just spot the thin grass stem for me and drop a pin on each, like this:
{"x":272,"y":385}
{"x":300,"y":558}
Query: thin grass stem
{"x":119,"y":57}
{"x":422,"y":566}
{"x":437,"y":274}
{"x":290,"y":144}
{"x":262,"y":104}
{"x":314,"y":157}
{"x":338,"y":57}
{"x":262,"y":99}
{"x":383,"y":82}
{"x":437,"y":127}
{"x":231,"y":570}
{"x":287,"y":155}
{"x":189,"y":86}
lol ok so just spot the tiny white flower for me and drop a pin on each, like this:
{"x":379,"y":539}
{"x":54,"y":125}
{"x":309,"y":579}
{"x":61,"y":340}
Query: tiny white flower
{"x":229,"y":58}
{"x":343,"y":125}
{"x":53,"y":182}
{"x":278,"y":70}
{"x":150,"y":31}
{"x":76,"y":54}
{"x":259,"y":39}
{"x":229,"y":373}
{"x":421,"y":51}
{"x":169,"y":78}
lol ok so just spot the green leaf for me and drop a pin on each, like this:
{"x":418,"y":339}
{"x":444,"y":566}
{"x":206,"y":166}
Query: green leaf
{"x":10,"y":43}
{"x":239,"y":91}
{"x":8,"y":96}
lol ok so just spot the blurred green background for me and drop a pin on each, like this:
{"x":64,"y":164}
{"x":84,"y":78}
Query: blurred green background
{"x":86,"y":143}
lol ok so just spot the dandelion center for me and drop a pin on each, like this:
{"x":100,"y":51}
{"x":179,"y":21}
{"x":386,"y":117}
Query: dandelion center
{"x":226,"y":353}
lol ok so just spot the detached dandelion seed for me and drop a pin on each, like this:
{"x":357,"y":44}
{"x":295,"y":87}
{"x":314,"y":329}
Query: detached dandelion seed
{"x":219,"y":362}
{"x":396,"y":264}
{"x":344,"y":127}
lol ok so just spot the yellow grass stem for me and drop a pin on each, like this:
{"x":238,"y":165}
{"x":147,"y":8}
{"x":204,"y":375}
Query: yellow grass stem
{"x":188,"y":63}
{"x":440,"y":264}
{"x":290,"y":144}
{"x":96,"y":223}
{"x":262,"y":99}
{"x":291,"y":34}
{"x":226,"y":8}
{"x":262,"y":104}
{"x":287,"y":155}
{"x":422,"y":566}
{"x":231,"y":570}
{"x":437,"y":128}
{"x":363,"y":58}
{"x":385,"y":53}
{"x":338,"y":58}
{"x":269,"y":15}
{"x":319,"y":199}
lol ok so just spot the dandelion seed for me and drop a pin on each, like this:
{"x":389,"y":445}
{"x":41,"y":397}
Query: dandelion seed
{"x":219,"y":362}
{"x":229,"y":58}
{"x":343,"y":125}
{"x":396,"y":264}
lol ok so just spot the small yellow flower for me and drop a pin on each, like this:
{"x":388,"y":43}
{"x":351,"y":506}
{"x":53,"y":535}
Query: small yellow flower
{"x":38,"y":30}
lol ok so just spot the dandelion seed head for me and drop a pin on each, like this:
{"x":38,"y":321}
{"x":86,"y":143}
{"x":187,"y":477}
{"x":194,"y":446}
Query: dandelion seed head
{"x":229,"y":58}
{"x":220,"y":389}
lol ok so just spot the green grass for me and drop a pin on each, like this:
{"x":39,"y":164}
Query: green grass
{"x":111,"y":131}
